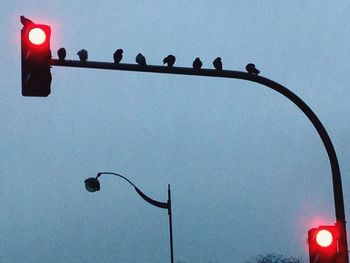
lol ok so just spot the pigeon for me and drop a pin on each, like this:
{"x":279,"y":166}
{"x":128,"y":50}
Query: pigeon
{"x":61,"y":53}
{"x":251,"y":69}
{"x":170,"y":60}
{"x":83,"y":55}
{"x":25,"y":21}
{"x":197,"y":63}
{"x":141,"y":60}
{"x":217,"y":63}
{"x":118,"y":55}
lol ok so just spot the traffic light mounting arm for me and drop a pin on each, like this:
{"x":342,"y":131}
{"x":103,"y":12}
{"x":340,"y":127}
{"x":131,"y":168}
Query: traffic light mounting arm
{"x":336,"y":177}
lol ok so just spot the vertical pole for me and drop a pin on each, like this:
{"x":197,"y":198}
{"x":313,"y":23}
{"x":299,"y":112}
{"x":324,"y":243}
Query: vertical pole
{"x":170,"y":226}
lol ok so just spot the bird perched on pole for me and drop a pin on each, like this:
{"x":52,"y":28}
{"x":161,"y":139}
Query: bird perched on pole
{"x":169,"y":60}
{"x":140,"y":59}
{"x":83,"y":55}
{"x":118,"y":55}
{"x":251,"y":69}
{"x":197,"y":63}
{"x":61,"y":53}
{"x":217,"y":63}
{"x":25,"y":21}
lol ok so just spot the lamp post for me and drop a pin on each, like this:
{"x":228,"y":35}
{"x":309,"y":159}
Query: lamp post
{"x":92,"y":185}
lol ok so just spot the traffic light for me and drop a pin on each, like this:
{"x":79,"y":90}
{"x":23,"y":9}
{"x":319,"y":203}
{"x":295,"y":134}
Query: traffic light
{"x":36,"y":56}
{"x":323,"y":244}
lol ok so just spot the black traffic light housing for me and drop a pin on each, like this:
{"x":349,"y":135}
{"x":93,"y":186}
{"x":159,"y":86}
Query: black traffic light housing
{"x":36,"y":56}
{"x":323,"y":244}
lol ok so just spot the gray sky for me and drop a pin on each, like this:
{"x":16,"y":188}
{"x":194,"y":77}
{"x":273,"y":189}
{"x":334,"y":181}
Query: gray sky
{"x":248,"y":171}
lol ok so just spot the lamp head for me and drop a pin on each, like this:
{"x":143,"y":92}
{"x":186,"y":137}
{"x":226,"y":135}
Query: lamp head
{"x":92,"y":184}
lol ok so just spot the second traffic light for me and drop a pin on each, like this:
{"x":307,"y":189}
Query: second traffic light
{"x":36,"y":56}
{"x":323,"y":244}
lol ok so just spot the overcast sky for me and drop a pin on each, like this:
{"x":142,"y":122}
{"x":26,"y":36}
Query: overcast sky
{"x":248,"y":172}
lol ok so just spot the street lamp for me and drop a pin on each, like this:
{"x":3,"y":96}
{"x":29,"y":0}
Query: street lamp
{"x":92,"y":184}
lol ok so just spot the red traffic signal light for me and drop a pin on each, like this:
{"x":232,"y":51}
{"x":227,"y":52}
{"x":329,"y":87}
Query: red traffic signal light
{"x":323,"y":244}
{"x":37,"y":36}
{"x":36,"y":56}
{"x":324,"y":238}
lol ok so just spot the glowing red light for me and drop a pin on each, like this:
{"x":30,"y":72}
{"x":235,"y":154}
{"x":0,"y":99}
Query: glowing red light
{"x":37,"y":36}
{"x":324,"y":238}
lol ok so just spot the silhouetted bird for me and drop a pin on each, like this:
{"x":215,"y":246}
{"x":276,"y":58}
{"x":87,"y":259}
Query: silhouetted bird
{"x":25,"y":21}
{"x":197,"y":63}
{"x":169,"y":60}
{"x":83,"y":55}
{"x":61,"y":53}
{"x":251,"y":69}
{"x":141,"y":60}
{"x":118,"y":55}
{"x":217,"y":63}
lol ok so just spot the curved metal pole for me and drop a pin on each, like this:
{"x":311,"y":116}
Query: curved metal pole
{"x":336,"y":177}
{"x":119,"y":175}
{"x":156,"y":203}
{"x":143,"y":196}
